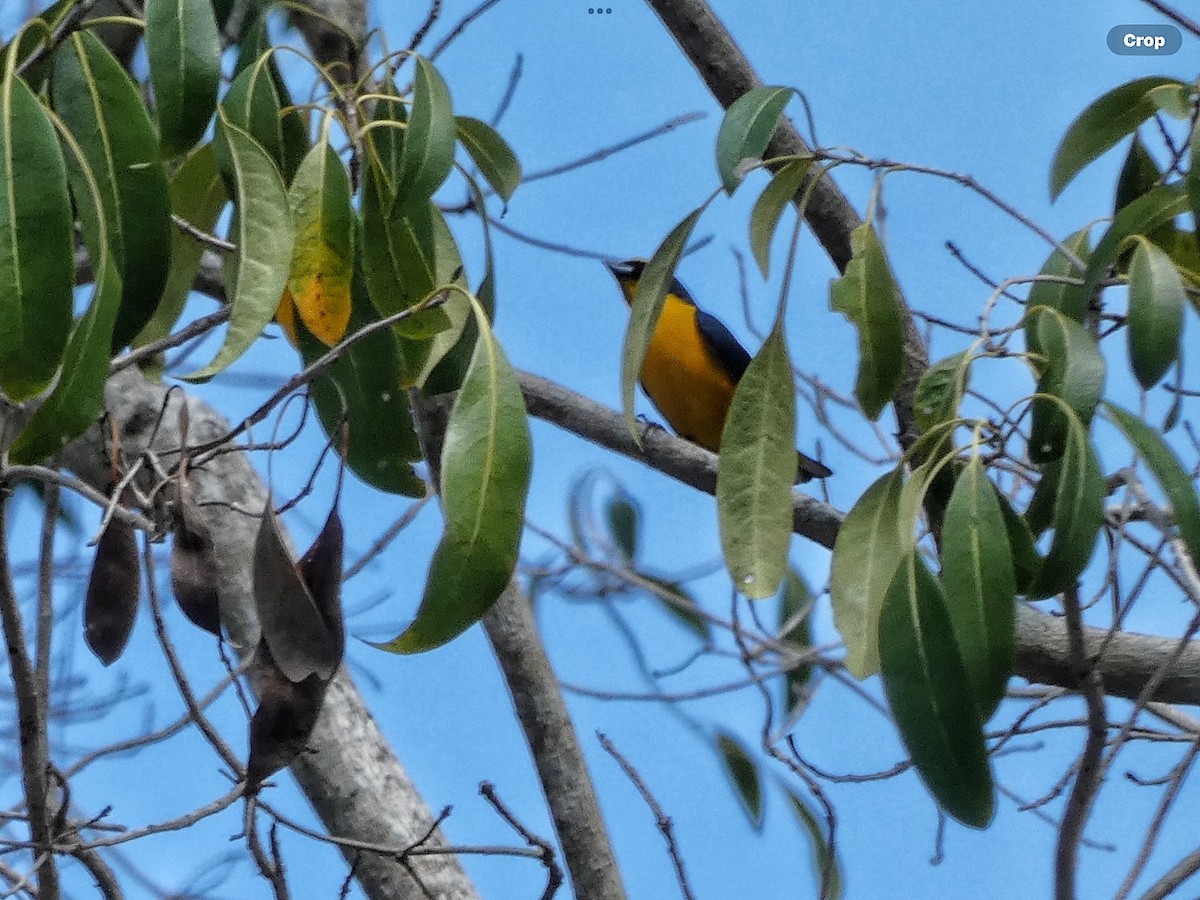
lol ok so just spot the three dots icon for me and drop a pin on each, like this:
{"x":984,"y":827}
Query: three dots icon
{"x":593,"y":10}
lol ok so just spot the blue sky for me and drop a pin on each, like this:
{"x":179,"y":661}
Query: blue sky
{"x":981,"y":89}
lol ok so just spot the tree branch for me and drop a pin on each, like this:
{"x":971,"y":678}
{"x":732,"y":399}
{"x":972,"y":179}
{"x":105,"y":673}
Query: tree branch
{"x":352,"y":778}
{"x":1125,"y":661}
{"x":31,"y":719}
{"x":728,"y":74}
{"x":540,"y":708}
{"x":555,"y":747}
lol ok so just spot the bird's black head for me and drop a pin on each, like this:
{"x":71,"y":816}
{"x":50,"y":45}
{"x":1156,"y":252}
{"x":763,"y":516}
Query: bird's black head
{"x":629,"y":273}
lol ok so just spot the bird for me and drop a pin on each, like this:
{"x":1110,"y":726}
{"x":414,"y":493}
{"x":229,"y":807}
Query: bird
{"x":692,"y":365}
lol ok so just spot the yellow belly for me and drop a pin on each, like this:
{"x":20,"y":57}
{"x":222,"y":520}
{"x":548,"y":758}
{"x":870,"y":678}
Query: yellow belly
{"x":683,"y":380}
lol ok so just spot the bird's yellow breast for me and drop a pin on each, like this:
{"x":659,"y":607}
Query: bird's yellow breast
{"x":684,"y":380}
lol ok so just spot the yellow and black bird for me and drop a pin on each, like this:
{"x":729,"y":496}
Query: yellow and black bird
{"x":692,"y":365}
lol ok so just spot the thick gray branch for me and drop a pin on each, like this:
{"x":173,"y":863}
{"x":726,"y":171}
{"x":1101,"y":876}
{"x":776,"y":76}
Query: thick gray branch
{"x":1128,"y":661}
{"x":541,"y":711}
{"x":729,"y":75}
{"x":832,"y":217}
{"x":555,"y":747}
{"x":351,"y":777}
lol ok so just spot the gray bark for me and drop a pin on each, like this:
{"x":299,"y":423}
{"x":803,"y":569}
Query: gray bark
{"x":352,"y":777}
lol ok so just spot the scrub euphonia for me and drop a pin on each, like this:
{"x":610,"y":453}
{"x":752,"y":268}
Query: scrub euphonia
{"x":692,"y":365}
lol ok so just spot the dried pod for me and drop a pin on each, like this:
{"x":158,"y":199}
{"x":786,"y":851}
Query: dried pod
{"x":287,"y":711}
{"x":294,"y":628}
{"x":321,"y":569}
{"x":110,"y":606}
{"x":194,"y":565}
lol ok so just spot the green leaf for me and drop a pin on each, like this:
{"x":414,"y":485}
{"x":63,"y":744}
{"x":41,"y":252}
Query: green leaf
{"x":1020,"y":541}
{"x":197,"y":194}
{"x":1175,"y":99}
{"x":37,"y":268}
{"x":652,"y":290}
{"x":103,"y":109}
{"x":1192,"y":178}
{"x":78,"y":397}
{"x":363,"y":389}
{"x":977,"y":570}
{"x":491,"y":154}
{"x":31,"y":39}
{"x":746,"y":130}
{"x":1100,"y":126}
{"x":1171,"y":476}
{"x":1072,"y":369}
{"x":461,"y":332}
{"x":930,"y":696}
{"x":939,"y":394}
{"x":447,"y":363}
{"x":795,"y":629}
{"x":623,"y":515}
{"x":1138,"y":176}
{"x":1184,"y":250}
{"x":486,"y":462}
{"x":403,"y":245}
{"x":868,"y":549}
{"x":867,"y":295}
{"x":254,"y":43}
{"x":1076,"y":487}
{"x":384,"y":142}
{"x":768,"y":209}
{"x":1069,"y":299}
{"x":744,"y":774}
{"x":265,"y":236}
{"x":323,"y":256}
{"x":757,"y":470}
{"x":252,"y":104}
{"x":1143,"y":216}
{"x":427,"y":154}
{"x":1155,"y":320}
{"x":403,"y":265}
{"x":825,"y":863}
{"x":184,"y":48}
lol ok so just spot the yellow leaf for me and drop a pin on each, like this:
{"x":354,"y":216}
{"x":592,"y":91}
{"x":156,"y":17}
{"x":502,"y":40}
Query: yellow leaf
{"x":286,"y":317}
{"x":321,"y":292}
{"x":323,"y":259}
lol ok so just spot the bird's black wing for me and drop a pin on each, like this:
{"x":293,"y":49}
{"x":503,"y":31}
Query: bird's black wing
{"x":725,"y":347}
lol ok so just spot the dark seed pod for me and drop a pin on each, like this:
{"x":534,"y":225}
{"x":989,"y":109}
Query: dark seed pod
{"x":110,"y":606}
{"x":286,"y":714}
{"x":293,"y":626}
{"x":194,"y":565}
{"x":321,"y":569}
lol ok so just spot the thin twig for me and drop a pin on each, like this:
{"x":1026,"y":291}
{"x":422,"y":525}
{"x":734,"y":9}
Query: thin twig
{"x":203,"y":452}
{"x":510,"y":91}
{"x":179,"y":676}
{"x":435,"y":10}
{"x":554,"y":874}
{"x":69,"y":23}
{"x":605,"y":152}
{"x":31,"y":718}
{"x":458,"y":29}
{"x":1174,"y":785}
{"x":1174,"y":15}
{"x":45,"y":619}
{"x":1087,"y":779}
{"x":661,"y":819}
{"x":389,"y":535}
{"x":183,"y":335}
{"x":202,"y":236}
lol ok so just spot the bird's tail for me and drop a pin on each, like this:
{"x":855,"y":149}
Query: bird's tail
{"x":810,"y":469}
